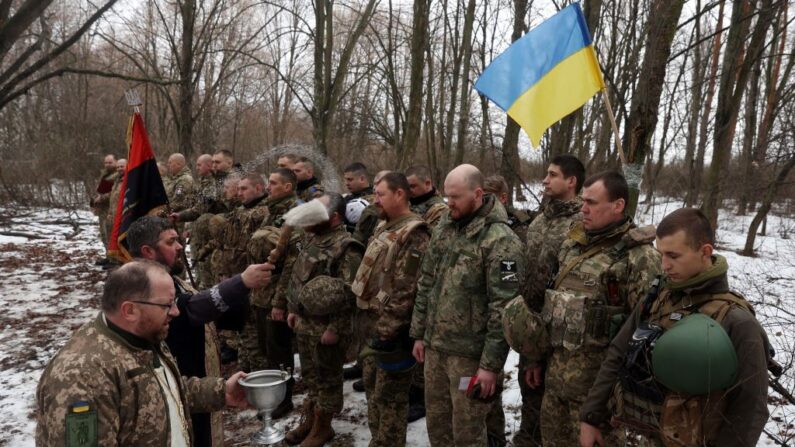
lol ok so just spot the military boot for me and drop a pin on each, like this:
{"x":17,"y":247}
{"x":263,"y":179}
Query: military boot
{"x":286,"y":406}
{"x":321,"y":432}
{"x":416,"y":404}
{"x":298,"y":434}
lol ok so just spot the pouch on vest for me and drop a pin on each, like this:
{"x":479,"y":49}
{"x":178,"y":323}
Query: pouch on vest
{"x":576,"y":319}
{"x":684,"y":419}
{"x":638,"y":397}
{"x":361,"y":285}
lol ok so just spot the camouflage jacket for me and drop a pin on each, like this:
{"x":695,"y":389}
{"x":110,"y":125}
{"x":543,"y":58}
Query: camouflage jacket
{"x":386,"y":281}
{"x":363,"y":229}
{"x":309,"y":189}
{"x":180,"y":190}
{"x":263,"y":241}
{"x":332,"y":253}
{"x":102,"y":369}
{"x":233,"y":245}
{"x":469,"y":273}
{"x":519,"y":220}
{"x":209,"y":198}
{"x":545,"y":235}
{"x":430,"y":207}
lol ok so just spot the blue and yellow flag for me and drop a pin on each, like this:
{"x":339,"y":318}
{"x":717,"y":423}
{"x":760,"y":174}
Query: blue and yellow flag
{"x":547,"y":74}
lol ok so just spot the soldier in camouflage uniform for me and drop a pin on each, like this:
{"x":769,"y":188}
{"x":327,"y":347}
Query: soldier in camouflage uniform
{"x":733,"y":413}
{"x":308,"y":186}
{"x":360,"y":222}
{"x":180,"y":190}
{"x":199,"y":229}
{"x":471,"y":270}
{"x":425,"y":200}
{"x":518,"y":220}
{"x":100,"y":203}
{"x":192,"y":336}
{"x":269,"y":304}
{"x":428,"y":204}
{"x":604,"y":268}
{"x":115,"y":193}
{"x":544,"y":237}
{"x":115,"y":382}
{"x":231,"y":257}
{"x":320,"y":303}
{"x":385,"y":287}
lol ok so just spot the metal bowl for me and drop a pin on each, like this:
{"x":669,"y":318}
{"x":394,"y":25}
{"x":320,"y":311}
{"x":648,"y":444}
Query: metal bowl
{"x":265,"y":389}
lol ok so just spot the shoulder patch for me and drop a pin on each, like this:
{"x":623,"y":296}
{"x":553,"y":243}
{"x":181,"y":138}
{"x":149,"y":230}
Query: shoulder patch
{"x":508,"y":271}
{"x":81,"y":425}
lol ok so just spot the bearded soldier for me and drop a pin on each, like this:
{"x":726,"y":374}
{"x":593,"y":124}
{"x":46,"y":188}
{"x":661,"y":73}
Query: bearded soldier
{"x":269,"y":304}
{"x":309,"y":186}
{"x":385,"y":287}
{"x":320,"y":304}
{"x":703,"y":384}
{"x":472,"y":268}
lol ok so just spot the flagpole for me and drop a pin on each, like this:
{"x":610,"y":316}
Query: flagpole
{"x":614,"y":125}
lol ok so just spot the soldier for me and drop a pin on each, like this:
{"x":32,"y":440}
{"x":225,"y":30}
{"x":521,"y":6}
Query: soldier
{"x":192,"y":336}
{"x":232,"y":256}
{"x":605,"y":267}
{"x":269,"y":304}
{"x":425,"y":200}
{"x":287,"y":161}
{"x":385,"y":287}
{"x":212,"y":198}
{"x":199,"y":229}
{"x":319,"y":304}
{"x":100,"y":203}
{"x":115,"y":382}
{"x":662,"y":393}
{"x":470,"y":271}
{"x":357,"y":181}
{"x":113,"y":202}
{"x":308,"y":186}
{"x":180,"y":189}
{"x":545,"y":235}
{"x":428,"y":204}
{"x":518,"y":220}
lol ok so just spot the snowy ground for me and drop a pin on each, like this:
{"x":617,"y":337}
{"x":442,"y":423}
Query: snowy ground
{"x":49,"y":286}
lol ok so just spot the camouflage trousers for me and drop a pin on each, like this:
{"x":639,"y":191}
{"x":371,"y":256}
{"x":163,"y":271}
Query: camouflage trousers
{"x":277,"y":339}
{"x":451,"y":417}
{"x":529,"y":433}
{"x":560,"y":422}
{"x":251,"y":356}
{"x":321,"y":371}
{"x":387,"y":403}
{"x":104,"y":226}
{"x":569,"y":376}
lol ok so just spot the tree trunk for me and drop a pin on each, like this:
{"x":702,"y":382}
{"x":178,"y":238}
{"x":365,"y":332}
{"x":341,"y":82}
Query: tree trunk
{"x":642,"y":120}
{"x":749,"y":133}
{"x":419,"y":40}
{"x":463,"y":114}
{"x":733,"y":80}
{"x":509,"y":166}
{"x":764,"y":208}
{"x":185,"y":121}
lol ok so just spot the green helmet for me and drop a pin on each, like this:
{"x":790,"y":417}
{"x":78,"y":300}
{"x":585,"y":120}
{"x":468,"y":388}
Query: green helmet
{"x":695,"y":356}
{"x":524,"y":330}
{"x":323,"y":295}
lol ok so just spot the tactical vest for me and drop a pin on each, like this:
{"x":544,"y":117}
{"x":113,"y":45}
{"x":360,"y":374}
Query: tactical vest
{"x":315,"y":261}
{"x":585,"y":307}
{"x":646,"y":406}
{"x":381,"y":253}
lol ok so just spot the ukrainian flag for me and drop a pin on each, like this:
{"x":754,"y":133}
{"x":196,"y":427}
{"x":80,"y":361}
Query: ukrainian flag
{"x":547,"y":74}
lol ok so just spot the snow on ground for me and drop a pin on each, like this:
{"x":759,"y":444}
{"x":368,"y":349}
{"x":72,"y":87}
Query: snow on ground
{"x":49,"y":287}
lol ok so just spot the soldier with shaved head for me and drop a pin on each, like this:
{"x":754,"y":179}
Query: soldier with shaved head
{"x":471,"y":270}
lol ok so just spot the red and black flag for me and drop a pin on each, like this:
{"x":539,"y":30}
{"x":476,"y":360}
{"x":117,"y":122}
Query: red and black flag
{"x":142,"y":191}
